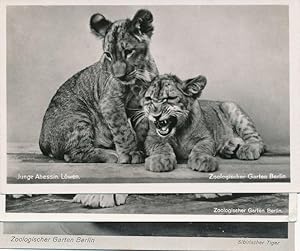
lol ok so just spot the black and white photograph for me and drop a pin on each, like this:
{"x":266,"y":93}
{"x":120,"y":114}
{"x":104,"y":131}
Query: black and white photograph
{"x":153,"y":207}
{"x":150,"y":204}
{"x":150,"y":236}
{"x":149,"y":125}
{"x":143,"y":94}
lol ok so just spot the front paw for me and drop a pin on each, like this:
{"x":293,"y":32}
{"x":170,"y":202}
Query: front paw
{"x":203,"y":163}
{"x":160,"y":163}
{"x":251,"y":151}
{"x":134,"y":157}
{"x":212,"y":196}
{"x":100,"y":200}
{"x":18,"y":196}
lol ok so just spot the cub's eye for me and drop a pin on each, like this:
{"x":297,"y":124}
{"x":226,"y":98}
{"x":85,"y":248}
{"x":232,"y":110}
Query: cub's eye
{"x":108,"y":55}
{"x":172,"y":97}
{"x":129,"y":52}
{"x":147,"y":99}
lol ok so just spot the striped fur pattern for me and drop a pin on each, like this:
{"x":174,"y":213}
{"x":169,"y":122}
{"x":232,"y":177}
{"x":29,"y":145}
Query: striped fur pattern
{"x":87,"y":119}
{"x":184,"y":127}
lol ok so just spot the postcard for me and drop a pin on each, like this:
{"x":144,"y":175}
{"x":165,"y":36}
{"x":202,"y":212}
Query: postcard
{"x":150,"y":207}
{"x":150,"y":236}
{"x":150,"y":97}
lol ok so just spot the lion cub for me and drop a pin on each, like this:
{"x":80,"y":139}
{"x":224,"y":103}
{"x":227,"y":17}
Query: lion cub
{"x":87,"y":118}
{"x":184,"y":127}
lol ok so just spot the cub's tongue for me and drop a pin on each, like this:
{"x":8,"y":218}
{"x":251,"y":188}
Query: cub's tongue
{"x":164,"y":130}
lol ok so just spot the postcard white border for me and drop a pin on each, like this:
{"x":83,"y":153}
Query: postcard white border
{"x":2,"y":207}
{"x":81,"y":217}
{"x":143,"y":188}
{"x":293,"y":207}
{"x":293,"y":186}
{"x":145,"y":2}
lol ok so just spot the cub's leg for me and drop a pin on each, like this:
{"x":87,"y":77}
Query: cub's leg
{"x":161,"y":155}
{"x":252,"y":146}
{"x":101,"y":200}
{"x":125,"y":139}
{"x":141,"y":130}
{"x":78,"y":145}
{"x":202,"y":157}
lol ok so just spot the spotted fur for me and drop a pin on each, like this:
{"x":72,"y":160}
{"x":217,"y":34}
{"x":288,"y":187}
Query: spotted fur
{"x":87,"y":119}
{"x":184,"y":127}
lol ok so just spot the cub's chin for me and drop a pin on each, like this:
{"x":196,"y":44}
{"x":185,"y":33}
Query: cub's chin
{"x":166,"y":127}
{"x":129,"y":78}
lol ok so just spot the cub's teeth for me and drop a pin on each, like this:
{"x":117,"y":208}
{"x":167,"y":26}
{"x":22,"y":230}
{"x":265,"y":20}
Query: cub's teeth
{"x":163,"y":129}
{"x":163,"y":123}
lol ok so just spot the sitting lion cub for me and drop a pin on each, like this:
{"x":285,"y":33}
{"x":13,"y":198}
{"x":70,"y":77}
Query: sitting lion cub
{"x":184,"y":127}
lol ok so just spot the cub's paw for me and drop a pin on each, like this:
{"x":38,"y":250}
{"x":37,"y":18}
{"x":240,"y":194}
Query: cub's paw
{"x":250,"y":151}
{"x":134,"y":157}
{"x":160,"y":163}
{"x":203,"y":163}
{"x":230,"y":146}
{"x":212,"y":196}
{"x":100,"y":200}
{"x":18,"y":196}
{"x":111,"y":156}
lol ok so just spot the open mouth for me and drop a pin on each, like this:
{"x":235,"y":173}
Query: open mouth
{"x":166,"y":126}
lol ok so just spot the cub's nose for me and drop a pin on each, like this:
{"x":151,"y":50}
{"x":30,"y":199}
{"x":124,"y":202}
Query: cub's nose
{"x":119,"y":69}
{"x":156,"y":117}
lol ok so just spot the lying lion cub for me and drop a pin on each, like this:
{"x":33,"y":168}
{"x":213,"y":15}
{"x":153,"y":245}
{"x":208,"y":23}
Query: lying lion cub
{"x":184,"y":127}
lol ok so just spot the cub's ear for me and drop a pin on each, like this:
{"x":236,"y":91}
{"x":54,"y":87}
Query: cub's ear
{"x":194,"y":86}
{"x":142,"y":23}
{"x":99,"y":25}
